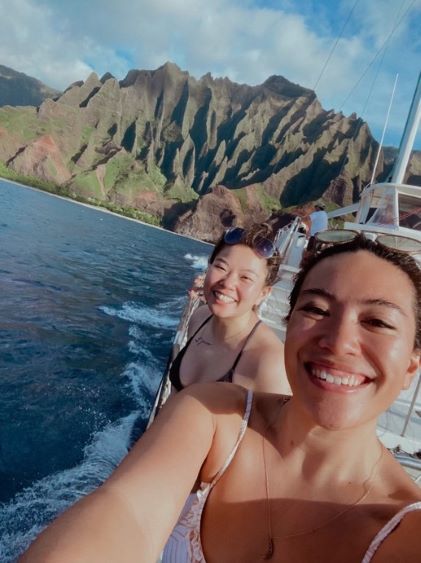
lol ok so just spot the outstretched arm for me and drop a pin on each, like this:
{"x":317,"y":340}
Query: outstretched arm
{"x":132,"y":514}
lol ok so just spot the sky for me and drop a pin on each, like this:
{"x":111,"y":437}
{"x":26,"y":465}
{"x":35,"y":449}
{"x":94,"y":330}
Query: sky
{"x":348,"y":51}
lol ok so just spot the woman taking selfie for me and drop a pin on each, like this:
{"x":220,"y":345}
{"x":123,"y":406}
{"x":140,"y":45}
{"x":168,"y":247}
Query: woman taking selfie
{"x":294,"y":479}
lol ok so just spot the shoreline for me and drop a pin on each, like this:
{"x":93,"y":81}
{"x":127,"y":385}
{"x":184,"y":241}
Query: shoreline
{"x":102,"y":209}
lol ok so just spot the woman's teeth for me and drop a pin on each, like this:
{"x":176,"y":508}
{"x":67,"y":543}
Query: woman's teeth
{"x":224,"y":298}
{"x":350,"y":381}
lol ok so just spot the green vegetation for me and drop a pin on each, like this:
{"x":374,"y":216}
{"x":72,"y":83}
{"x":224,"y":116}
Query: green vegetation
{"x":86,"y":133}
{"x":124,"y":175}
{"x":180,"y":192}
{"x":157,"y":176}
{"x":266,"y":201}
{"x":25,"y":123}
{"x":87,"y":185}
{"x":32,"y":181}
{"x":21,"y":121}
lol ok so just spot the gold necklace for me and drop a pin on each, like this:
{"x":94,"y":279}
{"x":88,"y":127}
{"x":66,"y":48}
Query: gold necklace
{"x":367,"y":486}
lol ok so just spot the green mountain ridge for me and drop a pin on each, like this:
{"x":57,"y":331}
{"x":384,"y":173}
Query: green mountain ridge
{"x":189,"y":153}
{"x":19,"y":89}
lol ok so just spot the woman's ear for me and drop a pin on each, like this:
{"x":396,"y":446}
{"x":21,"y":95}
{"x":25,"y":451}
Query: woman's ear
{"x":413,"y":368}
{"x":264,"y":294}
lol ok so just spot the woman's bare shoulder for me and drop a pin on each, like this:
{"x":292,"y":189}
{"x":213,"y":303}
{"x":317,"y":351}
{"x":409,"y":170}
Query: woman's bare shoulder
{"x":396,"y":483}
{"x":198,"y":317}
{"x":266,"y":337}
{"x":404,"y":542}
{"x":217,"y":397}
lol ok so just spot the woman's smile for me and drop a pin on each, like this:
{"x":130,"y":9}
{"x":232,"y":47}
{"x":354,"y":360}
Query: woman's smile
{"x":336,"y":380}
{"x":224,"y":297}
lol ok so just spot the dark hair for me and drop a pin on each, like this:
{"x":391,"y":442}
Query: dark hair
{"x":404,"y":261}
{"x":257,"y":230}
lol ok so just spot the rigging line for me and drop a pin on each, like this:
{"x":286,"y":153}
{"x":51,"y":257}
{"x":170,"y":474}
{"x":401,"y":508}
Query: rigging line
{"x":384,"y":130}
{"x":334,"y":45}
{"x":378,"y":52}
{"x":373,"y":83}
{"x":376,"y":74}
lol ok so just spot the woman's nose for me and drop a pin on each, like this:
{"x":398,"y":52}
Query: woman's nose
{"x":340,"y":335}
{"x":229,"y":280}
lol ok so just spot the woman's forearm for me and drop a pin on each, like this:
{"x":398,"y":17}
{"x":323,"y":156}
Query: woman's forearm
{"x":99,"y":528}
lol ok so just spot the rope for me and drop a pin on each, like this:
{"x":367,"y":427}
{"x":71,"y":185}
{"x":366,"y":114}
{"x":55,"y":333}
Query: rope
{"x":395,"y":27}
{"x":335,"y":45}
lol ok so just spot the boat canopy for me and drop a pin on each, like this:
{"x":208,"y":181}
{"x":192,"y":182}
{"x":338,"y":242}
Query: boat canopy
{"x":392,"y":206}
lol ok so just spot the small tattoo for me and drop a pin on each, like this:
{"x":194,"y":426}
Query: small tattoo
{"x":200,"y":340}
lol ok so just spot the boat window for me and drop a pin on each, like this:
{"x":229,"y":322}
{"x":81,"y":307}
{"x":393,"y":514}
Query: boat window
{"x":409,"y":211}
{"x":382,"y":208}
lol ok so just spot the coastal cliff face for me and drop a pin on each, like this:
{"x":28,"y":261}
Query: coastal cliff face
{"x":18,"y":89}
{"x":197,"y":154}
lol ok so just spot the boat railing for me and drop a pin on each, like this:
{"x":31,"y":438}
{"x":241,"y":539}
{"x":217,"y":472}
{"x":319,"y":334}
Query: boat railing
{"x":164,"y":388}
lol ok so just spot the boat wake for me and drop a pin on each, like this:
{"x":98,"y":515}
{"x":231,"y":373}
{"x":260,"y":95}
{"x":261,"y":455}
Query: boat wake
{"x":27,"y":514}
{"x":197,"y":262}
{"x":22,"y":518}
{"x":140,"y":314}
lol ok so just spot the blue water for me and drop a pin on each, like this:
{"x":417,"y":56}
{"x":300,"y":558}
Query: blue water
{"x":89,"y":304}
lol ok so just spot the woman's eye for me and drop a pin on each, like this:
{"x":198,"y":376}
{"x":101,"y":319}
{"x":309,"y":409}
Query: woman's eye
{"x":314,"y":310}
{"x":219,"y":267}
{"x":246,"y":278}
{"x":379,"y":323}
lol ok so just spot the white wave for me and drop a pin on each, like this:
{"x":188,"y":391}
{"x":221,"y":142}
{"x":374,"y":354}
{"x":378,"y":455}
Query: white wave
{"x":175,"y":304}
{"x":136,"y":313}
{"x":143,"y":381}
{"x":23,"y":518}
{"x":197,"y":262}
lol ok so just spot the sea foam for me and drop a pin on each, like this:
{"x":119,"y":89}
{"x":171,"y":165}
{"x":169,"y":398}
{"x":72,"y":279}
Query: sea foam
{"x":23,"y":518}
{"x":197,"y":262}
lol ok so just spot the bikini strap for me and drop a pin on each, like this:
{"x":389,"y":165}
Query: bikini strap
{"x":200,"y":327}
{"x":388,"y":529}
{"x":237,"y":359}
{"x":242,"y":431}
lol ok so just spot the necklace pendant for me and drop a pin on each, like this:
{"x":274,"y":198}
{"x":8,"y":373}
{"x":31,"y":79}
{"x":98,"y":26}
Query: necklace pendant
{"x":270,"y":550}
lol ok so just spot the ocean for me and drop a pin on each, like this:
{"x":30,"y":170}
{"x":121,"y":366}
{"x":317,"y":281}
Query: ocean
{"x":89,"y":304}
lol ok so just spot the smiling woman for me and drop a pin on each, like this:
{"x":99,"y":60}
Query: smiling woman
{"x":226,"y":339}
{"x":281,"y":478}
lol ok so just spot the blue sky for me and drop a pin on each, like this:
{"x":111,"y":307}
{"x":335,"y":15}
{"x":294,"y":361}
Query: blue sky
{"x":246,"y":40}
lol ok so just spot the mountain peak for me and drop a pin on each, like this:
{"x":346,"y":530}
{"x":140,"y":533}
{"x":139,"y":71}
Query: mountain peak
{"x":280,"y":85}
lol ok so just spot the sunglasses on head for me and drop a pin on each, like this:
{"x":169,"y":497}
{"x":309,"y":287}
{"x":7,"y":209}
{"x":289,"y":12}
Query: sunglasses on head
{"x":393,"y":242}
{"x":263,"y":246}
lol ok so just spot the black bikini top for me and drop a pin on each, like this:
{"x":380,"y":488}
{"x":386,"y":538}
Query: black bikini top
{"x":176,"y":364}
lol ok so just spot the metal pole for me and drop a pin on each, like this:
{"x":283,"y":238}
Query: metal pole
{"x":373,"y":176}
{"x":408,"y":137}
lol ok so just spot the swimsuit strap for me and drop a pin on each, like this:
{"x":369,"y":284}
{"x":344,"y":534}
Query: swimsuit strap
{"x":237,"y":359}
{"x":200,"y":327}
{"x":388,"y":529}
{"x":174,"y":373}
{"x":242,"y":431}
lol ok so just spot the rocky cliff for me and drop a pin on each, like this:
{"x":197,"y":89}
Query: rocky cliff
{"x":195,"y":153}
{"x":18,"y":89}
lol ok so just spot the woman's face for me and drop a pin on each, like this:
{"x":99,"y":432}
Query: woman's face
{"x":235,"y":281}
{"x":349,"y":347}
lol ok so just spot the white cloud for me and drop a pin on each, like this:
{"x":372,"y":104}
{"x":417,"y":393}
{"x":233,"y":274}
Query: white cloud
{"x":62,"y":42}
